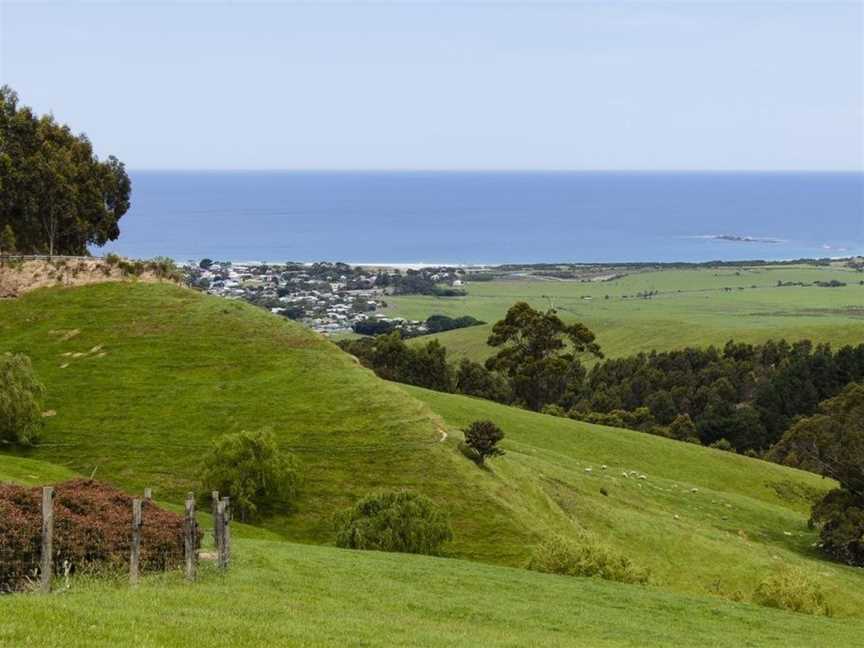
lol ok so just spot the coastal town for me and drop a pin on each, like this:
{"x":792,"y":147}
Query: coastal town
{"x":331,"y":298}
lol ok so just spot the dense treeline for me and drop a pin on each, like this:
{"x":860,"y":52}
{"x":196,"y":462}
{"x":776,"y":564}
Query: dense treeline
{"x":56,"y":196}
{"x":745,"y":394}
{"x":742,"y":396}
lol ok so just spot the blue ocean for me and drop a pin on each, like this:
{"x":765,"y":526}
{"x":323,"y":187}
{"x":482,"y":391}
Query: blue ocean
{"x":492,"y":217}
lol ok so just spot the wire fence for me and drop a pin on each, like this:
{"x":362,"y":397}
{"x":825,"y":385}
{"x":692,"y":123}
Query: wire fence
{"x":82,"y":526}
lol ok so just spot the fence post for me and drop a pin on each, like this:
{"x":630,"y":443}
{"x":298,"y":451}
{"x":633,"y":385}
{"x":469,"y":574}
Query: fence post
{"x":136,"y":541}
{"x":216,"y":527}
{"x":148,"y":494}
{"x":47,"y":538}
{"x":190,"y":537}
{"x":220,"y":534}
{"x":226,"y":529}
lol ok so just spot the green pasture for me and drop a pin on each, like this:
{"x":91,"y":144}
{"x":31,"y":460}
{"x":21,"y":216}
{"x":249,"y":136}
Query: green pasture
{"x":693,"y":307}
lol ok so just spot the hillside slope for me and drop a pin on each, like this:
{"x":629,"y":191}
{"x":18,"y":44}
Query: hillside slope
{"x":142,"y":377}
{"x":702,"y":520}
{"x":282,"y":594}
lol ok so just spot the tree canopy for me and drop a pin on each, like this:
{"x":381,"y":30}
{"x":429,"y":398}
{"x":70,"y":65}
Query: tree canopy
{"x":538,"y":353}
{"x":56,"y":196}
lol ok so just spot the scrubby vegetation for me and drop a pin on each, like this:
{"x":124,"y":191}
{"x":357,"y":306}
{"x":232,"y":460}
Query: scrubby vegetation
{"x":583,"y":554}
{"x":250,"y":468}
{"x":400,"y":521}
{"x":91,"y":531}
{"x":791,"y":589}
{"x":21,"y":400}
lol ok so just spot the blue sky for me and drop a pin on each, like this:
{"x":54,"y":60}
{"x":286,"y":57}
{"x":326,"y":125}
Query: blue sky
{"x":447,"y":85}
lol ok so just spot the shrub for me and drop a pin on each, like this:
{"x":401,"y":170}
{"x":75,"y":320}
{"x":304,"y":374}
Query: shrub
{"x":250,"y":468}
{"x":483,"y":437}
{"x":92,"y":523}
{"x":840,"y":519}
{"x":584,"y":555}
{"x":401,"y":521}
{"x":112,"y":259}
{"x":722,"y":444}
{"x":20,"y":400}
{"x":791,"y":589}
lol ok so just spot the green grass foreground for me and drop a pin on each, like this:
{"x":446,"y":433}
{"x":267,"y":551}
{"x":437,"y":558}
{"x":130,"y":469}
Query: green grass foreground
{"x":283,"y":594}
{"x":693,"y":308}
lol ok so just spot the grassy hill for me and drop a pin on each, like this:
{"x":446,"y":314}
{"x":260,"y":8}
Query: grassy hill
{"x":692,"y":307}
{"x":141,"y":377}
{"x":286,"y":594}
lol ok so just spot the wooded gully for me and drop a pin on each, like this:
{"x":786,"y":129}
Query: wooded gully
{"x":221,"y":511}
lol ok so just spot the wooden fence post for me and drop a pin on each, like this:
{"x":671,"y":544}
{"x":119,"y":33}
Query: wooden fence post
{"x":226,"y":529}
{"x":190,"y":537}
{"x":220,"y":524}
{"x":148,"y":494}
{"x":217,"y":540}
{"x":135,"y":554}
{"x":47,"y":538}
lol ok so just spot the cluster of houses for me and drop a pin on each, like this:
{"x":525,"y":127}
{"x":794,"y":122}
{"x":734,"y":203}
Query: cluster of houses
{"x":328,"y":297}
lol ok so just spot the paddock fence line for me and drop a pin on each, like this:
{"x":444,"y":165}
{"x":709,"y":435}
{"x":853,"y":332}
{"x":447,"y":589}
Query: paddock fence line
{"x":38,"y":565}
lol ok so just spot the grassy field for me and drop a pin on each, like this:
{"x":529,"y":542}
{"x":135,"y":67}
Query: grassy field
{"x":693,"y":307}
{"x":283,"y":594}
{"x":156,"y":371}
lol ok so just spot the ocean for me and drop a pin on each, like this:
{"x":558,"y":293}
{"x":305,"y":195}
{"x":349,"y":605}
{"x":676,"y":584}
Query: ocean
{"x":491,"y":217}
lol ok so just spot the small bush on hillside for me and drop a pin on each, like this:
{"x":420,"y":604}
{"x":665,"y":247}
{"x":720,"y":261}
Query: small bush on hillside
{"x":483,"y":437}
{"x":250,"y":468}
{"x":722,"y":444}
{"x":21,"y":397}
{"x":92,"y":524}
{"x":584,"y":555}
{"x":791,"y":589}
{"x":401,"y":521}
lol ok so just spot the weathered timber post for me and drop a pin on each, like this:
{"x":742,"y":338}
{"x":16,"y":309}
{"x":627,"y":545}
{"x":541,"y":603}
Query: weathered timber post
{"x":220,"y":534}
{"x":190,"y":537}
{"x":148,"y":494}
{"x":216,"y":526}
{"x":47,"y":538}
{"x":135,"y":555}
{"x":226,"y":529}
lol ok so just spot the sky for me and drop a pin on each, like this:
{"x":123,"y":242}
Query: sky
{"x":692,"y":85}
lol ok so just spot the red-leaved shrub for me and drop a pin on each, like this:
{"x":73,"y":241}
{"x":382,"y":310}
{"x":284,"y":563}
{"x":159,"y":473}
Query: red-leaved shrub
{"x":92,"y":529}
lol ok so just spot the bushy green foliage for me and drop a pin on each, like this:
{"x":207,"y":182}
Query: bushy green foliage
{"x":538,"y":353}
{"x":401,"y":521}
{"x":832,"y":444}
{"x":483,"y":438}
{"x":791,"y":589}
{"x":390,"y":358}
{"x":57,"y":195}
{"x":21,"y":396}
{"x":584,"y":554}
{"x":251,"y":469}
{"x":473,"y":379}
{"x":840,"y":519}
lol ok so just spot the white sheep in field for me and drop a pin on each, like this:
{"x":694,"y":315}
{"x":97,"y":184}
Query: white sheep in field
{"x":587,"y":470}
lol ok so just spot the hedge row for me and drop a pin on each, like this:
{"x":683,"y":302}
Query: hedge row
{"x":92,"y":530}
